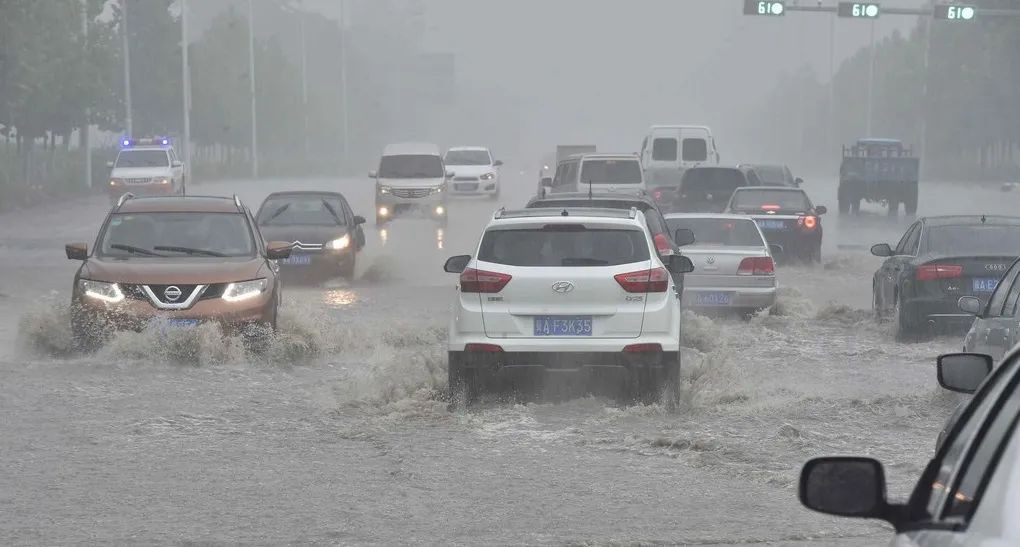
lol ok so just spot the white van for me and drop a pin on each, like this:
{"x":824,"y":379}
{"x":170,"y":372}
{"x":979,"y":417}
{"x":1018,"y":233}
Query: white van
{"x":599,"y":173}
{"x":669,"y":149}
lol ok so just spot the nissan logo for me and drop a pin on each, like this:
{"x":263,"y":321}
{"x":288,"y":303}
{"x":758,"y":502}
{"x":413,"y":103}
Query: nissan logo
{"x":172,"y":293}
{"x":995,"y":267}
{"x":562,"y":286}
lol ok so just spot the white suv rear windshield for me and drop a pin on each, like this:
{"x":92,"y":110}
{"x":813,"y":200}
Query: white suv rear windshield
{"x":622,"y":171}
{"x":558,"y":245}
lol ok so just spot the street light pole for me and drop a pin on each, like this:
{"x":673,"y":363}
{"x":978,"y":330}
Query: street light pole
{"x":304,"y":82}
{"x":343,"y":81}
{"x":127,"y":67}
{"x":871,"y":79}
{"x":832,"y":83}
{"x":923,"y":144}
{"x":86,"y":129}
{"x":251,"y":79}
{"x":186,"y":91}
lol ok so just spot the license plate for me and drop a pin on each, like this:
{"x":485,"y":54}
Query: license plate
{"x":772,"y":224}
{"x":178,"y":323}
{"x":712,"y":298}
{"x":553,"y":325}
{"x":985,"y":284}
{"x":299,"y":260}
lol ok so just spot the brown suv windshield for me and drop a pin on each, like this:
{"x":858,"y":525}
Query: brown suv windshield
{"x":177,"y":234}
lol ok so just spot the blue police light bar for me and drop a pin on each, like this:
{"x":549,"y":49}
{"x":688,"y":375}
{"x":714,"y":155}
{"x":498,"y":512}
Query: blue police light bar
{"x":153,"y":141}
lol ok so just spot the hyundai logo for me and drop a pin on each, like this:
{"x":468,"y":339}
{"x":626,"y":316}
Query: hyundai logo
{"x":562,"y":286}
{"x":172,"y":293}
{"x":996,"y":267}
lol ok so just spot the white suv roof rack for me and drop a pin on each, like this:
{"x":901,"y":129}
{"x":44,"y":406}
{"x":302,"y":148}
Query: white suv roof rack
{"x":566,"y":211}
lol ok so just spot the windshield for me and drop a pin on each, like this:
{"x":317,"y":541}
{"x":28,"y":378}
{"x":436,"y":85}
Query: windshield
{"x":143,"y":158}
{"x":995,"y":239}
{"x":165,"y":234}
{"x":719,"y":231}
{"x":296,"y":210}
{"x":625,"y":171}
{"x":770,"y":174}
{"x":775,"y":200}
{"x":468,"y":157}
{"x":561,"y":246}
{"x":411,"y":167}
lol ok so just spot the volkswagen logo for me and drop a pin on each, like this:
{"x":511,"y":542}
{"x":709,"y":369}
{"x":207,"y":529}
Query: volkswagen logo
{"x":710,"y":260}
{"x":172,"y":293}
{"x":562,"y":286}
{"x":996,"y":267}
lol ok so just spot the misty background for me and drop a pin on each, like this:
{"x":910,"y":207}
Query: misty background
{"x":518,"y":76}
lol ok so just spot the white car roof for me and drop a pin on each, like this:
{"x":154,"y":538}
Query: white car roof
{"x":607,"y":156}
{"x":771,"y":189}
{"x":720,"y":216}
{"x":412,"y":149}
{"x":467,"y":148}
{"x":554,"y":215}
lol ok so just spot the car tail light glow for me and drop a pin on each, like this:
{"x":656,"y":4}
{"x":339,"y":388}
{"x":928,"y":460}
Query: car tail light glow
{"x":930,"y":272}
{"x":654,"y":280}
{"x":642,"y":348}
{"x":483,"y":348}
{"x":808,"y":222}
{"x":657,"y":194}
{"x":662,"y":244}
{"x":481,"y":281}
{"x":770,"y":207}
{"x":757,"y":265}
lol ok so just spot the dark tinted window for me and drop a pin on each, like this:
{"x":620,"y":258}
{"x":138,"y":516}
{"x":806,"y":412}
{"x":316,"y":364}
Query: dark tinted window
{"x":134,"y":234}
{"x":624,"y":171}
{"x":467,"y":157}
{"x":695,"y":150}
{"x":719,"y":231}
{"x":411,"y":167}
{"x":143,"y":158}
{"x":974,"y":239}
{"x":564,"y":245}
{"x":711,"y":180}
{"x":664,"y":149}
{"x":782,"y":200}
{"x":296,"y":210}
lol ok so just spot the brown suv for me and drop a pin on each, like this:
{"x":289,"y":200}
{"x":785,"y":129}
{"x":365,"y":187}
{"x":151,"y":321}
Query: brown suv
{"x":182,"y":260}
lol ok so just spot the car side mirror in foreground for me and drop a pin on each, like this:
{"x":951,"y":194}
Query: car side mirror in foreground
{"x":76,"y":251}
{"x":680,"y":264}
{"x":276,"y":250}
{"x":844,"y":486}
{"x":683,"y":236}
{"x":821,"y":210}
{"x":457,"y":264}
{"x":358,"y":219}
{"x":881,"y":249}
{"x":963,"y":372}
{"x":969,"y":304}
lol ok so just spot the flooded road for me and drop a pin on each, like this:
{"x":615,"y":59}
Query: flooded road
{"x":342,"y":434}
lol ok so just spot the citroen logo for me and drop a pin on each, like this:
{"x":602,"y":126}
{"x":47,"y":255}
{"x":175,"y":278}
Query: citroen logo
{"x":710,"y":260}
{"x":172,"y":293}
{"x":562,"y":286}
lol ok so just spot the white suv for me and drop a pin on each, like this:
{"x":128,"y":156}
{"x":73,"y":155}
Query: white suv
{"x":475,"y":173}
{"x":566,"y":290}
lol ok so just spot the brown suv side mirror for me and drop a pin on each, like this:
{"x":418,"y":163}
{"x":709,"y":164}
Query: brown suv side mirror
{"x":76,"y":251}
{"x":276,"y":250}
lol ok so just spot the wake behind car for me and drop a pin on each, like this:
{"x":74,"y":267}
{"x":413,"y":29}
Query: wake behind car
{"x":786,"y":217}
{"x":146,"y":167}
{"x":411,"y":181}
{"x":475,"y":172}
{"x":735,"y":271}
{"x":326,"y":234}
{"x":939,"y":260}
{"x":968,"y":492}
{"x":566,"y":291}
{"x":705,"y":189}
{"x":184,"y":260}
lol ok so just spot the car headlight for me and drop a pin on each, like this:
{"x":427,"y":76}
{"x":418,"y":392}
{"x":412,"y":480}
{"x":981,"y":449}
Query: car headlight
{"x":437,"y":189}
{"x":164,"y":181}
{"x":487,"y":176}
{"x":385,"y":190}
{"x":340,"y":243}
{"x":102,"y":291}
{"x":114,"y":182}
{"x":243,"y":290}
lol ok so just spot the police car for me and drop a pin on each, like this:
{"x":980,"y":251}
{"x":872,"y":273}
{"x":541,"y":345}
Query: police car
{"x":146,"y":167}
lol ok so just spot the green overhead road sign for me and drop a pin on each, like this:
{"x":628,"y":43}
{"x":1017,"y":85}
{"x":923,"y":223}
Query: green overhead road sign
{"x":955,"y":12}
{"x":764,"y":7}
{"x":859,"y":10}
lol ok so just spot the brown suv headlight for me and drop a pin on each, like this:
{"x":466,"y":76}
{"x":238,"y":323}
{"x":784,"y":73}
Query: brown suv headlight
{"x":102,"y":291}
{"x":243,"y":290}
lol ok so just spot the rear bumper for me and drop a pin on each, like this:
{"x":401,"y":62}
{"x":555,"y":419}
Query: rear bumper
{"x":562,"y":346}
{"x":564,"y":362}
{"x":743,"y":298}
{"x":942,"y":312}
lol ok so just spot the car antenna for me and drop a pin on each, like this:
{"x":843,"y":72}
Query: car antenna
{"x":589,"y":189}
{"x":564,"y":213}
{"x":983,"y":219}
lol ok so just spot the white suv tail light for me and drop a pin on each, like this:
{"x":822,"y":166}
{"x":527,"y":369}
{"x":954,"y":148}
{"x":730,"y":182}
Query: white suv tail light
{"x":481,"y":281}
{"x":644,"y":281}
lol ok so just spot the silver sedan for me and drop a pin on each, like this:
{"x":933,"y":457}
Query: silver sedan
{"x":734,"y":269}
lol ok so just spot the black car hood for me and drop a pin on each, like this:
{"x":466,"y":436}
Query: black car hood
{"x":305,"y":233}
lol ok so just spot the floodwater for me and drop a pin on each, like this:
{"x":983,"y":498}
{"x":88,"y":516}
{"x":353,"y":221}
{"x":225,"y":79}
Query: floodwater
{"x":342,"y":433}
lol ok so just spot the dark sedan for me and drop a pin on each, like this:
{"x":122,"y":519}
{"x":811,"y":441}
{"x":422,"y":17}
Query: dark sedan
{"x":326,"y":235}
{"x":938,"y":261}
{"x":786,"y":216}
{"x":705,"y":189}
